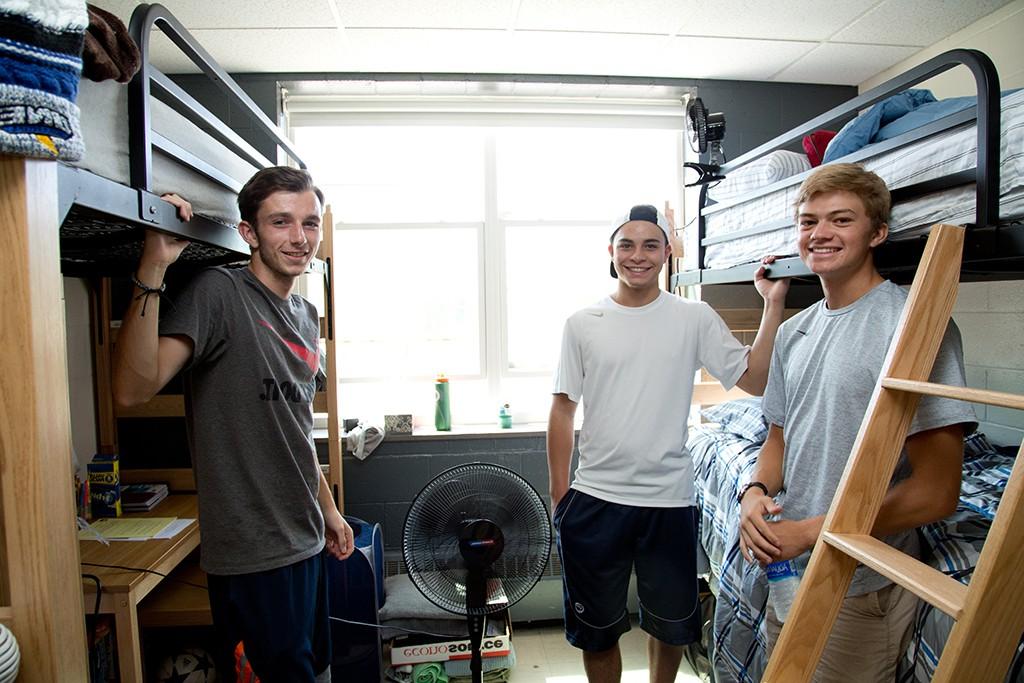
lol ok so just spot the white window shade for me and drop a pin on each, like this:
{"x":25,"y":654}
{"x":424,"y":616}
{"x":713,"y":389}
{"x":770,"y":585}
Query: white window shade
{"x":476,"y":110}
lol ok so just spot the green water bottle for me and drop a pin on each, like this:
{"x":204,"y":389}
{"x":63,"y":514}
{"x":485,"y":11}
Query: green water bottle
{"x":442,"y":407}
{"x":505,"y":417}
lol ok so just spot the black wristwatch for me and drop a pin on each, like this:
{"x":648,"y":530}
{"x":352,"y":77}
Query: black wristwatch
{"x":750,"y":485}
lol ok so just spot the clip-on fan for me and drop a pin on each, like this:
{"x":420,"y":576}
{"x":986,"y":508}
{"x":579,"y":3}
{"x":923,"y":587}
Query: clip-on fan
{"x":473,"y":527}
{"x":706,"y":132}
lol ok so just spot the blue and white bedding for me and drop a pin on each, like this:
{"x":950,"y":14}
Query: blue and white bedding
{"x":939,"y":155}
{"x":724,"y":455}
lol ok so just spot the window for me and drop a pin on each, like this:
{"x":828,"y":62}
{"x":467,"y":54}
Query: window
{"x":462,"y":249}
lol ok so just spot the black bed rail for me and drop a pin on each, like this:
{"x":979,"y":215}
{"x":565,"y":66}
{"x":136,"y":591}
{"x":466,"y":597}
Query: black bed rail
{"x":986,"y":81}
{"x":985,"y":174}
{"x":142,"y":138}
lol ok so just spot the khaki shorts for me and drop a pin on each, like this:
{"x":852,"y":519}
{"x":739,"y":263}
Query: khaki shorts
{"x":870,"y":635}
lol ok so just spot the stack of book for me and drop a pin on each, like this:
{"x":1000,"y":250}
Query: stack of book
{"x":142,"y":497}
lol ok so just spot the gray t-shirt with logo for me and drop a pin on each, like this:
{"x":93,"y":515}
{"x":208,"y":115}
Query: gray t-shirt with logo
{"x":248,"y":404}
{"x":824,"y":369}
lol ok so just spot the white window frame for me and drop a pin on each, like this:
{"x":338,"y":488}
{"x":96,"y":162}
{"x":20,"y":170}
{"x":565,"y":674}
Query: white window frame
{"x":497,"y":112}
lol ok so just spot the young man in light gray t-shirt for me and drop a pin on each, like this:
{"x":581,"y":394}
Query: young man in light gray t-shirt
{"x":824,"y":368}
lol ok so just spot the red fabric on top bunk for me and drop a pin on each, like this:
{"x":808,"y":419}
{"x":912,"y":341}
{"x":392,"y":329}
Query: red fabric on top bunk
{"x":815,"y":144}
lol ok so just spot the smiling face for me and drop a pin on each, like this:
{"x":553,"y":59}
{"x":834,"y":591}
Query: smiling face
{"x":836,"y":236}
{"x":638,"y":251}
{"x":284,"y":238}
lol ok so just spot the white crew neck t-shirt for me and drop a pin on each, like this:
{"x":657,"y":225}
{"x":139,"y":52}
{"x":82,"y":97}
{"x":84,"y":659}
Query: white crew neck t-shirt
{"x":633,"y":368}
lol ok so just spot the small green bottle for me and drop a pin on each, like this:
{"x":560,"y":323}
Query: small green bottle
{"x":505,"y":417}
{"x":442,"y":407}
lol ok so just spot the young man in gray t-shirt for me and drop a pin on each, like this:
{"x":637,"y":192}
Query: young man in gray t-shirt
{"x":248,"y":350}
{"x":825,"y":365}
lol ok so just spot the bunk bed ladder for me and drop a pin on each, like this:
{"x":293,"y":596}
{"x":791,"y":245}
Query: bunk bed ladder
{"x":989,"y":613}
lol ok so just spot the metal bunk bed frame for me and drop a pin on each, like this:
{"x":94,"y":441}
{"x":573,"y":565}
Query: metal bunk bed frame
{"x":100,"y":217}
{"x":991,"y":252}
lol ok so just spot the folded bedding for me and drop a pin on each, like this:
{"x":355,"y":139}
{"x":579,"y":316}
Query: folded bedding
{"x":769,"y":169}
{"x":40,"y":64}
{"x":949,"y":152}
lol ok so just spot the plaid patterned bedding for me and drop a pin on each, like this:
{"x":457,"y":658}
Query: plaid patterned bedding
{"x":722,"y":459}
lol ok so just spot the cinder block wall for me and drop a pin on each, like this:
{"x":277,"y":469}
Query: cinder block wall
{"x":991,"y":319}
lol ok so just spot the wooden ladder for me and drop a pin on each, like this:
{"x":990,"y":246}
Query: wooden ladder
{"x":989,"y":613}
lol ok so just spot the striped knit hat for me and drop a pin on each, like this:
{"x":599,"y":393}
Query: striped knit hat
{"x":40,"y":64}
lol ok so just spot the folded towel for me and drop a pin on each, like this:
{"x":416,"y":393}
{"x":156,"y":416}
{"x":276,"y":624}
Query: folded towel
{"x":363,"y":439}
{"x":40,"y":64}
{"x":110,"y":52}
{"x":431,"y":672}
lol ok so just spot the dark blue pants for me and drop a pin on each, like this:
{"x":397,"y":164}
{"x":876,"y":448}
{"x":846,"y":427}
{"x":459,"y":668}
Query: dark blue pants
{"x":280,"y":615}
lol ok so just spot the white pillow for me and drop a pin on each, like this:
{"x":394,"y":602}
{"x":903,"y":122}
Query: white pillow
{"x":764,"y":171}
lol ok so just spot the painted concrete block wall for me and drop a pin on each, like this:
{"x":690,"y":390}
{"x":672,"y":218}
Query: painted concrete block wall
{"x":991,"y":320}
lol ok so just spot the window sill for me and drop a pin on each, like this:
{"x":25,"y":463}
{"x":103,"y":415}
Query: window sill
{"x":459,"y":432}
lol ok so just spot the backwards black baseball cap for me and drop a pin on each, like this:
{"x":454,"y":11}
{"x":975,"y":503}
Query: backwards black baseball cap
{"x":640,"y":212}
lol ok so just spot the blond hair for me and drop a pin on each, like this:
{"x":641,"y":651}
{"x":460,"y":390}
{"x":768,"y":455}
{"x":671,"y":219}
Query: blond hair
{"x":848,"y":178}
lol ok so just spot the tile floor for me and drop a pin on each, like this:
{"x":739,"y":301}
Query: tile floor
{"x":544,"y":656}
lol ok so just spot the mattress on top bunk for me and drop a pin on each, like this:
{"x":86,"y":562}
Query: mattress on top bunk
{"x":949,"y":152}
{"x":104,"y":109}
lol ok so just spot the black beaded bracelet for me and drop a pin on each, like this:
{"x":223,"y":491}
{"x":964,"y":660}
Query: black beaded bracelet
{"x":146,"y":291}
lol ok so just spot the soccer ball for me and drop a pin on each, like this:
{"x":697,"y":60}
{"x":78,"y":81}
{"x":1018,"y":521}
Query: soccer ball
{"x":190,"y":665}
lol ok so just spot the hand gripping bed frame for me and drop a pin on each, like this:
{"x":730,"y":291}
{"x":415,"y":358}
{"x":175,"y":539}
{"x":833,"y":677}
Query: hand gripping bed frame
{"x":989,"y":612}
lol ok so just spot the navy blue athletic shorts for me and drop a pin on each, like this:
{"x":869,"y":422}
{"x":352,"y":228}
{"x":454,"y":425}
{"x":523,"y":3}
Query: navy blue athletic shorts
{"x":280,"y":615}
{"x":600,"y":543}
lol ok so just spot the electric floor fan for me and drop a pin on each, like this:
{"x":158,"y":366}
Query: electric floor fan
{"x":476,"y":541}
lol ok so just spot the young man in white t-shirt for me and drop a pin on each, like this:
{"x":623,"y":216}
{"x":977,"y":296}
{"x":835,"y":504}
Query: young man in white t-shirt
{"x":632,"y":358}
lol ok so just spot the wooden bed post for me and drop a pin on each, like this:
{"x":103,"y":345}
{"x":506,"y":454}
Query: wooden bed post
{"x":41,"y":542}
{"x":102,"y":348}
{"x":336,"y":476}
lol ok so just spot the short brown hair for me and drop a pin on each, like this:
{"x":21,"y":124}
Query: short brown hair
{"x":849,"y":178}
{"x":270,"y":180}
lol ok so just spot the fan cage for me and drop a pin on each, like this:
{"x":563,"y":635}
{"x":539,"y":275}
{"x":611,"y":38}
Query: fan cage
{"x":430,"y":540}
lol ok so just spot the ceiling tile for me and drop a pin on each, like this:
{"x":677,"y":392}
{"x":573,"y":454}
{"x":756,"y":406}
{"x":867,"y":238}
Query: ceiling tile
{"x":785,"y":19}
{"x":609,"y":16}
{"x":915,"y":22}
{"x":731,"y":58}
{"x":225,"y":14}
{"x":424,"y":14}
{"x":728,"y":39}
{"x":843,"y":64}
{"x":324,"y":49}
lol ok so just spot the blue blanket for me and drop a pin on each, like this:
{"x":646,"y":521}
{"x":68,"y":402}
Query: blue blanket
{"x":894,"y":116}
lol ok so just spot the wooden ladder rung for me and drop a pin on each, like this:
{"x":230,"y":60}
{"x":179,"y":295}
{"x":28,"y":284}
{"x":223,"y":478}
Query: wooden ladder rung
{"x":926,"y":582}
{"x":994,"y":398}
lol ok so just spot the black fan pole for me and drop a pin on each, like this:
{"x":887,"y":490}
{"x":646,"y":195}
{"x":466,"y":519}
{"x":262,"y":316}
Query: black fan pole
{"x":476,"y":600}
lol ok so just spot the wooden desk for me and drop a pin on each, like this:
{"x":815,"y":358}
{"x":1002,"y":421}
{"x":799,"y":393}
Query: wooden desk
{"x":124,"y":589}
